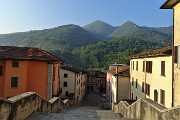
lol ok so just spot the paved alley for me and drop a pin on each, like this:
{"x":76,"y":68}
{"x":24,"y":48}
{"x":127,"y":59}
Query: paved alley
{"x":90,"y":110}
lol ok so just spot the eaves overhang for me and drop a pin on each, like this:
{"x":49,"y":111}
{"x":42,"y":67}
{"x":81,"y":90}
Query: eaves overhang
{"x":169,"y":4}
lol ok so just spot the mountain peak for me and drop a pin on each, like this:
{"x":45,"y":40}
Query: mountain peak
{"x":129,"y":24}
{"x":99,"y":27}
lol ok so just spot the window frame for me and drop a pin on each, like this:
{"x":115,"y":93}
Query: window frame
{"x":136,"y":65}
{"x":149,"y":65}
{"x":163,"y":66}
{"x":17,"y":82}
{"x":136,"y":83}
{"x":15,"y":64}
{"x":162,"y":96}
{"x":65,"y":75}
{"x":147,"y":90}
{"x":65,"y":85}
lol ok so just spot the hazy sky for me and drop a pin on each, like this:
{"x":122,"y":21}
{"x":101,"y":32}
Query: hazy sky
{"x":25,"y":15}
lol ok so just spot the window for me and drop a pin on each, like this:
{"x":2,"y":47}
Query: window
{"x":147,"y":90}
{"x":136,"y":83}
{"x":143,"y":66}
{"x":81,"y":84}
{"x":176,"y":54}
{"x":67,"y":93}
{"x":132,"y":81}
{"x":14,"y":82}
{"x":132,"y":96}
{"x":133,"y":65}
{"x":149,"y":66}
{"x":155,"y":96}
{"x":162,"y":100}
{"x":65,"y":84}
{"x":142,"y":86}
{"x":137,"y":65}
{"x":65,"y":75}
{"x":1,"y":70}
{"x":15,"y":64}
{"x":163,"y":68}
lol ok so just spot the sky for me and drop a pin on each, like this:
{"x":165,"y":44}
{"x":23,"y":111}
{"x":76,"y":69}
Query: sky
{"x":25,"y":15}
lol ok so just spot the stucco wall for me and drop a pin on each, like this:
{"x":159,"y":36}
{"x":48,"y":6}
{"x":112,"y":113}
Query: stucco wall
{"x":123,"y":88}
{"x":21,"y":106}
{"x":21,"y":73}
{"x":37,"y":77}
{"x":177,"y":66}
{"x":146,"y":109}
{"x":154,"y":79}
{"x":70,"y":81}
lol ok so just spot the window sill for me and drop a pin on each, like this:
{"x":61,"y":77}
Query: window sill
{"x":14,"y":87}
{"x":162,"y":75}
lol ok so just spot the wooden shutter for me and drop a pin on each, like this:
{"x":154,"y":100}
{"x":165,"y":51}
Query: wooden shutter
{"x":162,"y":97}
{"x":163,"y":68}
{"x":175,"y":53}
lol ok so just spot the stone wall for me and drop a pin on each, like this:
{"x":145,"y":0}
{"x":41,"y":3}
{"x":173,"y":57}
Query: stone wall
{"x":146,"y":109}
{"x":21,"y":106}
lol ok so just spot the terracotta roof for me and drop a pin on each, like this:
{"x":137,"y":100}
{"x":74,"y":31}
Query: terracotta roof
{"x":121,"y":70}
{"x":166,"y":51}
{"x":27,"y":53}
{"x":169,"y":4}
{"x":73,"y":69}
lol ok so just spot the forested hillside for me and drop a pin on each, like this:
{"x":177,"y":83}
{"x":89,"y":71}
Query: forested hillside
{"x":102,"y":54}
{"x":62,"y":37}
{"x":96,"y":45}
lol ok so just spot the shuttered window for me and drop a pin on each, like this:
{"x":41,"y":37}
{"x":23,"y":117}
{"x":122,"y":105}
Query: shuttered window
{"x":132,"y":81}
{"x":162,"y":92}
{"x":137,"y":65}
{"x":163,"y":68}
{"x":136,"y":83}
{"x":142,"y":86}
{"x":133,"y":65}
{"x":147,"y":90}
{"x":149,"y":66}
{"x":176,"y":54}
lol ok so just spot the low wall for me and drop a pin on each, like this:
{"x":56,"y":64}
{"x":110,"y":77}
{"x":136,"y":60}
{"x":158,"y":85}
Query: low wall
{"x":21,"y":106}
{"x":146,"y":109}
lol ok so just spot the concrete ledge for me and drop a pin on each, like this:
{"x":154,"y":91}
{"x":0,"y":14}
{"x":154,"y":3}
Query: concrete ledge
{"x":23,"y":105}
{"x":147,"y":109}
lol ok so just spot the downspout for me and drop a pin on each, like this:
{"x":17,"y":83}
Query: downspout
{"x":173,"y":63}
